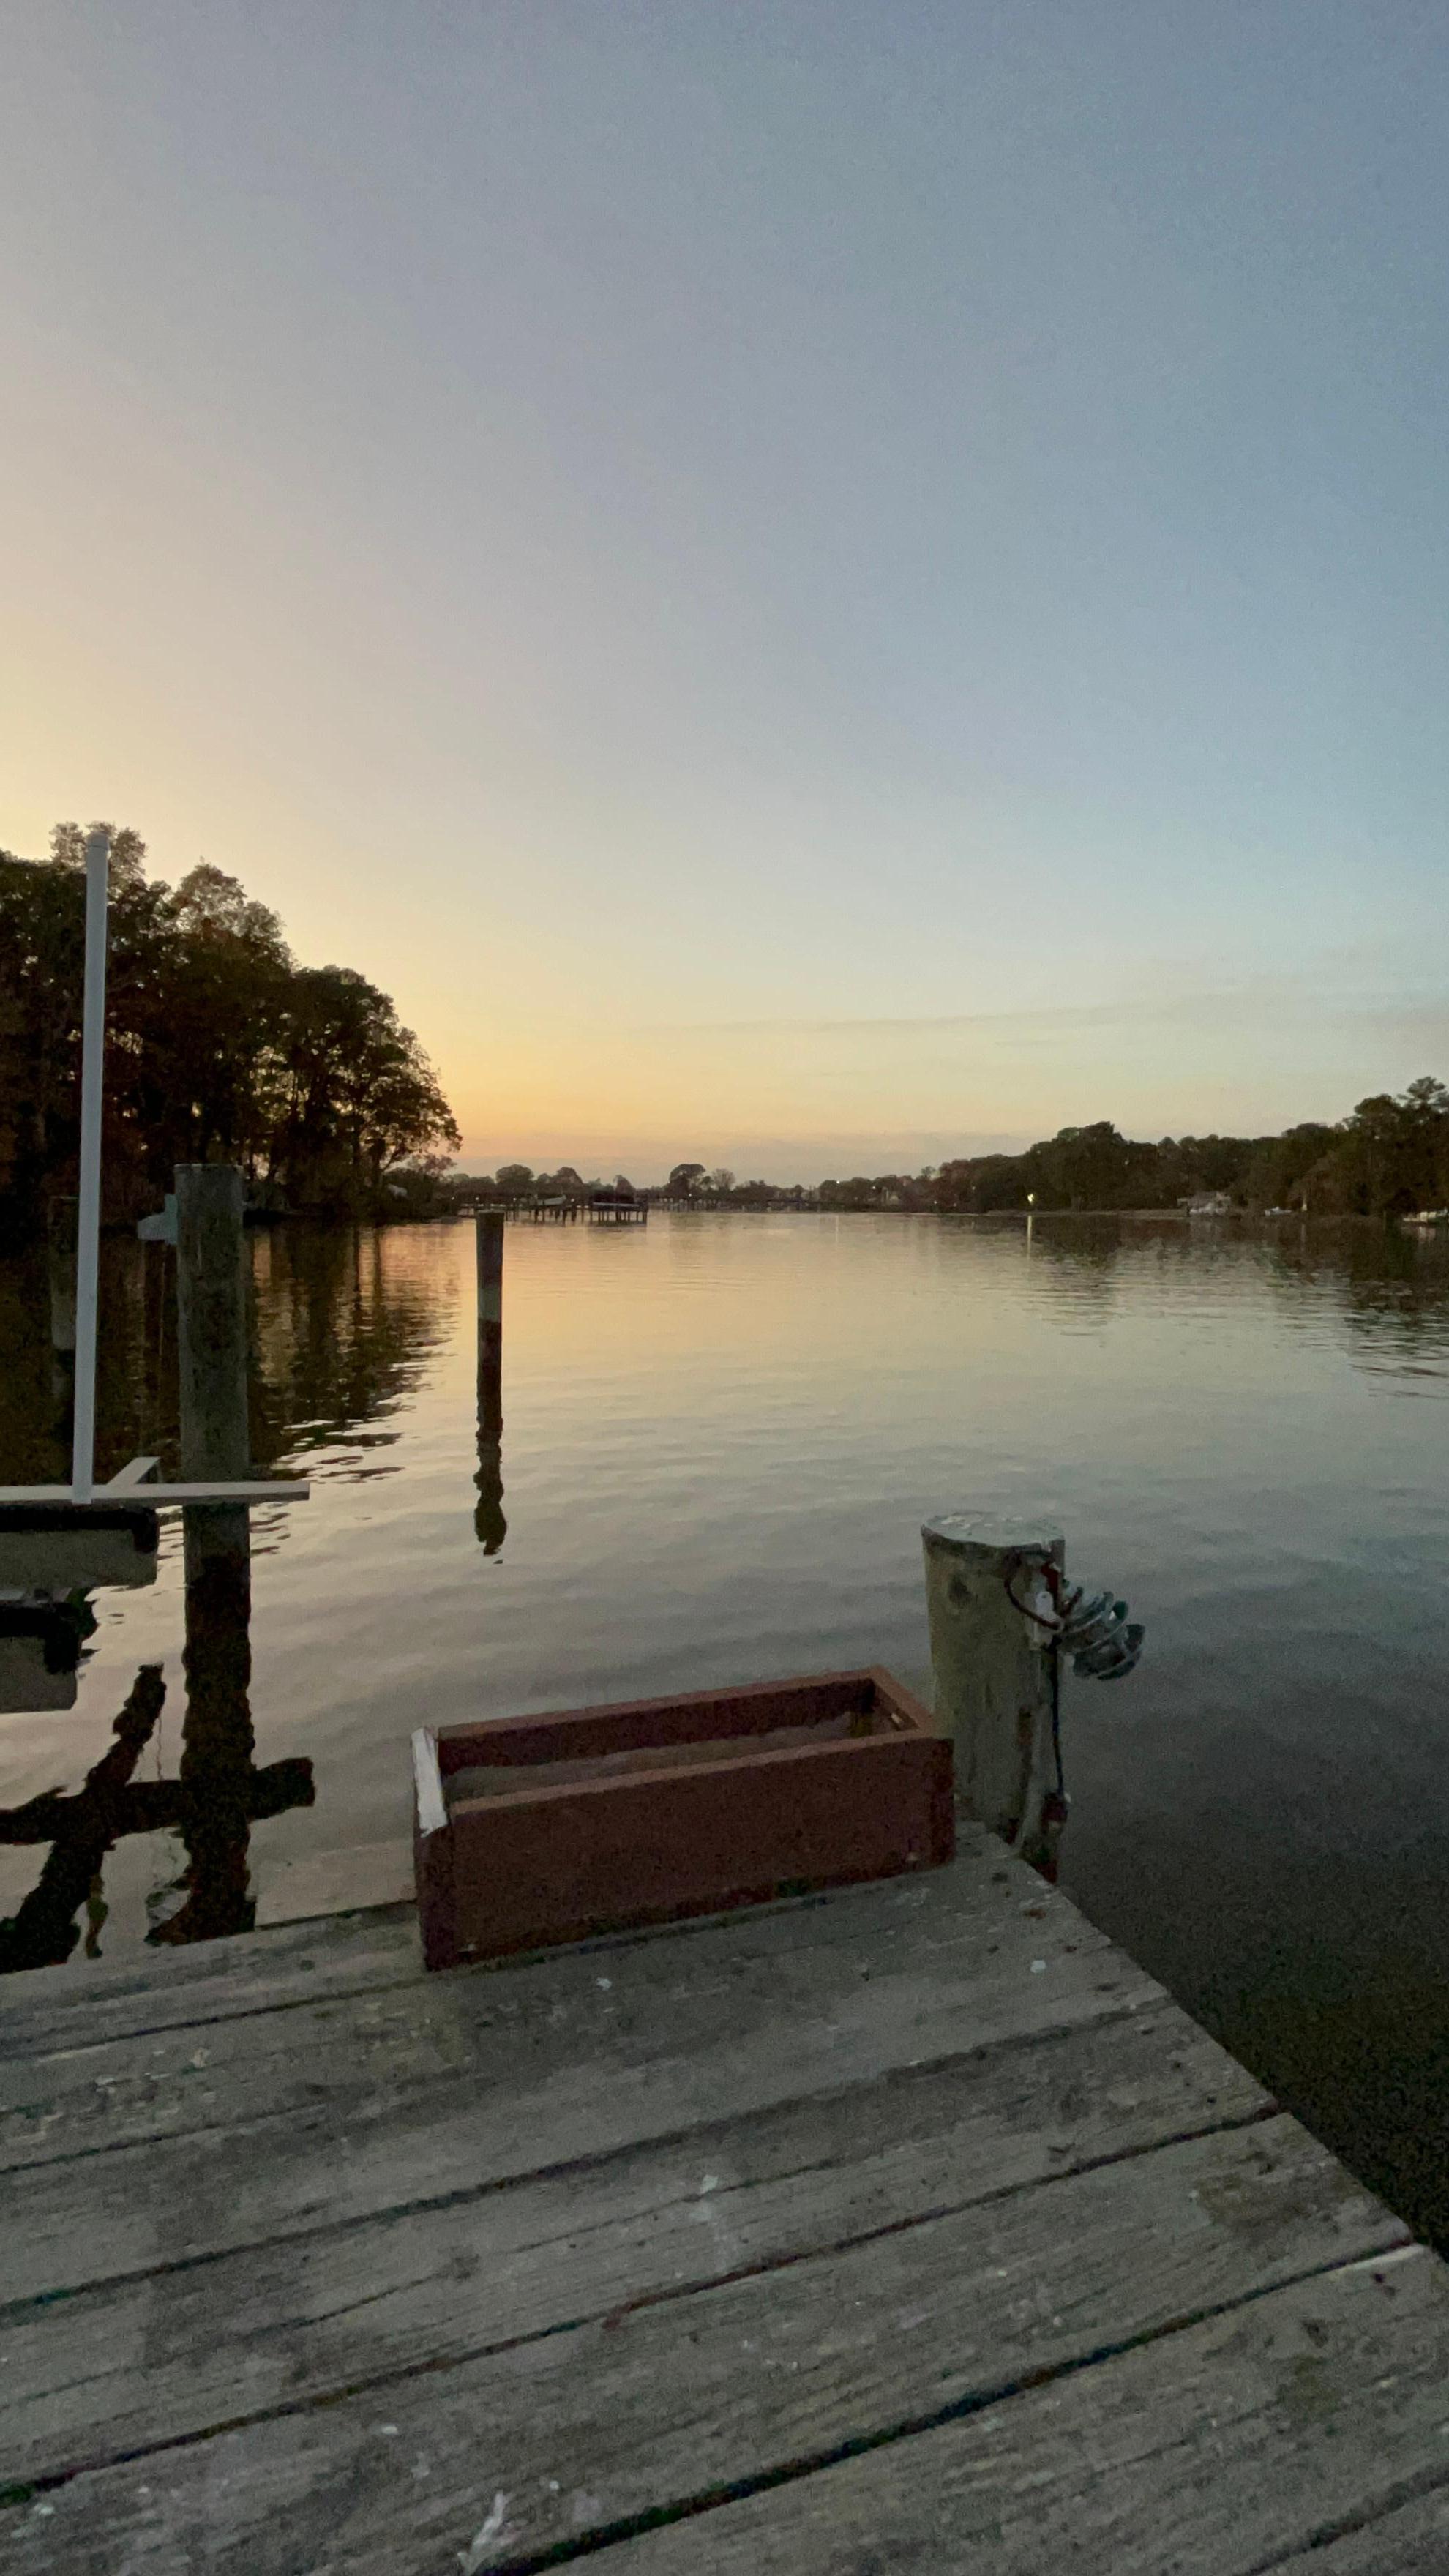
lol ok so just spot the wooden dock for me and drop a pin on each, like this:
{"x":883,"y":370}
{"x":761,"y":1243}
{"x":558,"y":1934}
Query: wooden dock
{"x":521,"y":1211}
{"x":601,"y":1211}
{"x":617,"y":1211}
{"x":907,"y":2230}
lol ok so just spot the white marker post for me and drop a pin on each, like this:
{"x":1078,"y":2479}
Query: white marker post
{"x":88,"y":1214}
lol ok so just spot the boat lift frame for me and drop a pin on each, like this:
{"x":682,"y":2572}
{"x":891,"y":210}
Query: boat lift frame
{"x":134,"y":1481}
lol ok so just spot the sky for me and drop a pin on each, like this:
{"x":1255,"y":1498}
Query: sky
{"x":811,"y":584}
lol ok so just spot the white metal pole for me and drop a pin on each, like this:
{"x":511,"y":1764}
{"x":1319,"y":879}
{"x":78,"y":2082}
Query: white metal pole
{"x":88,"y":1214}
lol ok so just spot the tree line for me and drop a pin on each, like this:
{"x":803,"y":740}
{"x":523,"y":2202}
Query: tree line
{"x":219,"y":1047}
{"x":1390,"y":1157}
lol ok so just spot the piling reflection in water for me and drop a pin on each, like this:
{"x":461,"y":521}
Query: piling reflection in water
{"x":489,"y":1524}
{"x":221,"y":1792}
{"x":488,"y":1521}
{"x":80,"y":1831}
{"x":341,"y":1339}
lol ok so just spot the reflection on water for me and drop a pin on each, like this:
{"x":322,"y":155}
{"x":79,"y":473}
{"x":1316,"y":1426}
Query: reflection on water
{"x":211,"y":1807}
{"x":344,"y":1332}
{"x":340,"y":1342}
{"x":490,"y":1526}
{"x":722,"y":1435}
{"x":80,"y":1830}
{"x":343,"y":1335}
{"x":221,"y":1791}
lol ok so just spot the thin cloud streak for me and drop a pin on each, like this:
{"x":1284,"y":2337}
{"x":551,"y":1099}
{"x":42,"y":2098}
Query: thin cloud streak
{"x":1243,"y":1002}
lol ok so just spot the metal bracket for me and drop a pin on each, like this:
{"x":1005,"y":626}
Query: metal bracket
{"x":160,"y":1228}
{"x":136,"y":1472}
{"x":102,"y":1498}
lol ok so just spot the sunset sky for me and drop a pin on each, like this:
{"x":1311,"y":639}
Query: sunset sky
{"x":807,"y":585}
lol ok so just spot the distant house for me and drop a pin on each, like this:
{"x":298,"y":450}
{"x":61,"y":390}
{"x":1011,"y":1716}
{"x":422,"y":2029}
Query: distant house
{"x":1208,"y":1203}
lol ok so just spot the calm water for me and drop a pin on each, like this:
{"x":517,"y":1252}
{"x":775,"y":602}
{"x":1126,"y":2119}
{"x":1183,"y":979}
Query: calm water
{"x":721,"y":1436}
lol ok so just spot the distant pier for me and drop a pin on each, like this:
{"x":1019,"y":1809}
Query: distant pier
{"x":560,"y":1211}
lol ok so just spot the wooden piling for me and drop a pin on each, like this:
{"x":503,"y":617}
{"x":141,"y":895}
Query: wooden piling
{"x":488,"y":1227}
{"x":218,"y":1744}
{"x":489,"y":1523}
{"x":60,"y":1242}
{"x":211,"y":1331}
{"x":994,"y":1669}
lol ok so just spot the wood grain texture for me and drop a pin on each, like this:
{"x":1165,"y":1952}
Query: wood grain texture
{"x":255,"y":1972}
{"x":1412,"y":2541}
{"x":991,"y":1665}
{"x":274,"y":1996}
{"x":296,"y":2320}
{"x":662,"y":2402}
{"x":243,"y":2183}
{"x":485,"y":2074}
{"x":293,"y":1965}
{"x":1234,"y":2447}
{"x":914,"y":2220}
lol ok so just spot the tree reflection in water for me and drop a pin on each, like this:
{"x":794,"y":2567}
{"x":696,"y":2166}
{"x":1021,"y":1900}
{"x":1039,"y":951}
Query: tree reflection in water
{"x":345,"y":1323}
{"x":342,"y":1338}
{"x":344,"y":1335}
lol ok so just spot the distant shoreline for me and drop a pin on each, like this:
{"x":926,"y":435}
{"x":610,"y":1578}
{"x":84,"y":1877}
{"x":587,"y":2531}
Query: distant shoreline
{"x":1007,"y":1216}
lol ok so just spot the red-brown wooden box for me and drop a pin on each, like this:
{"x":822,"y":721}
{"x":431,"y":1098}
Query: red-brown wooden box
{"x":666,"y":1807}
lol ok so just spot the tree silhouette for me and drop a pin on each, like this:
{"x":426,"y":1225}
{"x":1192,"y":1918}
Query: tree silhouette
{"x":220,"y":1044}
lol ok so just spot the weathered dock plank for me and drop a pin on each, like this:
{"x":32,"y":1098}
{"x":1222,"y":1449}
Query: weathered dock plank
{"x":1412,"y":2541}
{"x":469,"y":2078}
{"x":684,"y":2397}
{"x":1243,"y":2444}
{"x":57,"y":2017}
{"x":60,"y":2013}
{"x":728,"y":2046}
{"x":909,"y":2228}
{"x":295,"y":2321}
